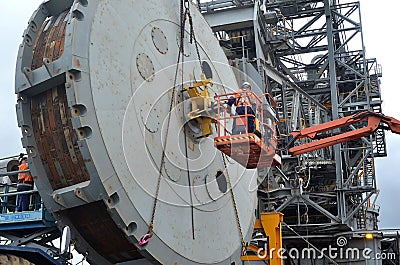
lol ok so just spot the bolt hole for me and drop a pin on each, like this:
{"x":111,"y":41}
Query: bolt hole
{"x":221,"y":181}
{"x":79,"y":109}
{"x":207,"y":69}
{"x":132,"y":227}
{"x":75,"y":75}
{"x":78,"y":15}
{"x":83,"y":2}
{"x":113,"y":199}
{"x":33,"y":26}
{"x":84,"y":132}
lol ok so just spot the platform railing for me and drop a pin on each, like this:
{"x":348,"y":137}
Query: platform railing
{"x":9,"y":194}
{"x":266,"y":120}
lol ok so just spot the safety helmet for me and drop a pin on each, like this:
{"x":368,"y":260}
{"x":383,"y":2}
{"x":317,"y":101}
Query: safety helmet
{"x":246,"y":85}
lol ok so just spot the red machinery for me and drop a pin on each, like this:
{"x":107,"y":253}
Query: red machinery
{"x":254,"y":151}
{"x":373,"y":119}
{"x":250,"y":149}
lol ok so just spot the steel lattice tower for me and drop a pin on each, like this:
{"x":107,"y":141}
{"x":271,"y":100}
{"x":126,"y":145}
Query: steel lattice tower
{"x":310,"y":56}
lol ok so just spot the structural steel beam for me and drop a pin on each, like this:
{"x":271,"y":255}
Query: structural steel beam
{"x":282,"y":79}
{"x":228,"y":19}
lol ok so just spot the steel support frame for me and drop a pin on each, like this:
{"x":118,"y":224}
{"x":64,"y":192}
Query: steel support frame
{"x":42,"y":239}
{"x":328,"y":29}
{"x":211,"y":6}
{"x":339,"y":19}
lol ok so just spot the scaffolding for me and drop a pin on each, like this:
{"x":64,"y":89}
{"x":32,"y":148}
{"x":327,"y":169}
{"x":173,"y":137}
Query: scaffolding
{"x":310,"y":56}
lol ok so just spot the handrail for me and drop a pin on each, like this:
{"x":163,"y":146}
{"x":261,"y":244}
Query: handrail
{"x":9,"y":200}
{"x":268,"y":95}
{"x":252,"y":100}
{"x":17,"y":193}
{"x":13,"y":172}
{"x":9,"y":157}
{"x":251,"y":93}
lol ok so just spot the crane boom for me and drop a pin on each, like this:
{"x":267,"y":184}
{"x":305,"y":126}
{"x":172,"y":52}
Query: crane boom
{"x":375,"y":121}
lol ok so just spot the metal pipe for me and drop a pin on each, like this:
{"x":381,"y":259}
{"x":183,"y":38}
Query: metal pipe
{"x":244,"y":60}
{"x":10,"y":157}
{"x":14,"y":172}
{"x":18,"y":193}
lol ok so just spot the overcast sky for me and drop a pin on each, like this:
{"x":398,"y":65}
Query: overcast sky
{"x":380,"y":23}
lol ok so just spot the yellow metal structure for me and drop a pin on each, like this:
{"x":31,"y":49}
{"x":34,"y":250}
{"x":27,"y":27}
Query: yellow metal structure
{"x":271,"y":225}
{"x":201,"y":102}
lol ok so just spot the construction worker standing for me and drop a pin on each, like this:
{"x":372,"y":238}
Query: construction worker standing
{"x":245,"y":105}
{"x":25,"y":183}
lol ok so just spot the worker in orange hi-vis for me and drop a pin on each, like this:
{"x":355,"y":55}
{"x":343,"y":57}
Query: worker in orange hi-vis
{"x":25,"y":183}
{"x":245,"y":104}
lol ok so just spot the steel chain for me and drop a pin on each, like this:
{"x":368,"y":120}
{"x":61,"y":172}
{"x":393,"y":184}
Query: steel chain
{"x":235,"y":210}
{"x":180,"y":53}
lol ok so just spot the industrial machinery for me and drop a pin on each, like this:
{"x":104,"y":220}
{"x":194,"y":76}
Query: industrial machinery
{"x":374,"y":121}
{"x":251,"y":148}
{"x":309,"y":55}
{"x":26,"y":237}
{"x":103,"y":109}
{"x":122,"y":106}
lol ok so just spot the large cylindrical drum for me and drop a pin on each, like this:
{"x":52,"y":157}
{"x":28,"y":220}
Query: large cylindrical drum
{"x":103,"y":111}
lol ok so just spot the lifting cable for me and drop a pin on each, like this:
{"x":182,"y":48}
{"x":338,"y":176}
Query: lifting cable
{"x":243,"y":243}
{"x":235,"y":210}
{"x":184,"y":14}
{"x":193,"y":39}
